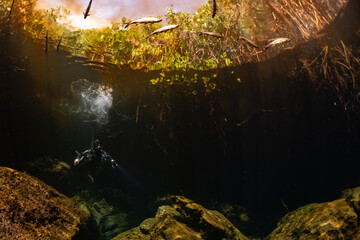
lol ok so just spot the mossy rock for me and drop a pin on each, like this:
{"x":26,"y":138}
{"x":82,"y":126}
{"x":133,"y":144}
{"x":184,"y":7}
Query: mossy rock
{"x":30,"y":209}
{"x":53,"y":171}
{"x":334,"y":220}
{"x":184,"y":219}
{"x":108,"y":222}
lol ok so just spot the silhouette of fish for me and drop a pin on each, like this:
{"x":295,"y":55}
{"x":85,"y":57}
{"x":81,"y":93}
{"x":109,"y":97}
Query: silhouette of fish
{"x":144,"y":20}
{"x":86,"y":13}
{"x":163,"y":29}
{"x":249,"y":42}
{"x":276,"y":41}
{"x":212,"y":34}
{"x":213,"y":8}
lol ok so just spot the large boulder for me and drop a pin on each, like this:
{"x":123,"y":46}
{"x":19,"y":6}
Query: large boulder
{"x":184,"y":219}
{"x":30,"y":209}
{"x":334,"y":220}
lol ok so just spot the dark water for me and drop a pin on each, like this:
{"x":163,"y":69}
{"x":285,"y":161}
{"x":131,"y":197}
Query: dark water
{"x":268,"y":139}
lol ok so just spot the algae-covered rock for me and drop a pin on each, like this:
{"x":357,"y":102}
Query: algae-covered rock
{"x":49,"y":165}
{"x":132,"y":234}
{"x":30,"y":209}
{"x":53,"y":171}
{"x":352,"y":196}
{"x":147,"y":225}
{"x":236,"y":214}
{"x":184,"y":219}
{"x":212,"y":223}
{"x":334,"y":220}
{"x":108,"y":221}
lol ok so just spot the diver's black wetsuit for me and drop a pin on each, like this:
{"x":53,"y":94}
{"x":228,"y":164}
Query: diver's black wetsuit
{"x":94,"y":159}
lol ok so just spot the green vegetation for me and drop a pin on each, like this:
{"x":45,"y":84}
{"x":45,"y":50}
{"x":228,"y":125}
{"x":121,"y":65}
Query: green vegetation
{"x":337,"y":70}
{"x":184,"y":48}
{"x":180,"y":49}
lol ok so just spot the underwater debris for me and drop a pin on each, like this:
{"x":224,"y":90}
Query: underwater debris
{"x":163,"y":29}
{"x":285,"y":206}
{"x":144,"y":21}
{"x":86,"y":13}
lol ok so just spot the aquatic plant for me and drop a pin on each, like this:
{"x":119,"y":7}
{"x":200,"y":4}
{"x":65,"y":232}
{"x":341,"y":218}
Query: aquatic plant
{"x":337,"y":70}
{"x":245,"y":26}
{"x":181,"y":49}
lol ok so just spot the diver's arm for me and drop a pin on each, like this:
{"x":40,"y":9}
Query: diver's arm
{"x":80,"y":158}
{"x":110,"y":159}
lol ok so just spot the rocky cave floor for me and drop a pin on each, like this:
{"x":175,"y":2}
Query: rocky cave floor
{"x":31,"y":209}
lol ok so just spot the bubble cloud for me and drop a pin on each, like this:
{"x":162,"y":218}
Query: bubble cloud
{"x":95,"y":97}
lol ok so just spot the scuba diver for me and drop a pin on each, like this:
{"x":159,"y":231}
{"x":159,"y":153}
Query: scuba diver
{"x":94,"y":160}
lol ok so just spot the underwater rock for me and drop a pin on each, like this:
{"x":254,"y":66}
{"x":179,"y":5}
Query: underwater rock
{"x":49,"y":165}
{"x":236,"y":214}
{"x":352,"y":196}
{"x":133,"y":234}
{"x":112,"y":225}
{"x":334,"y":220}
{"x":53,"y":171}
{"x":108,"y":221}
{"x":30,"y":209}
{"x":184,"y":219}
